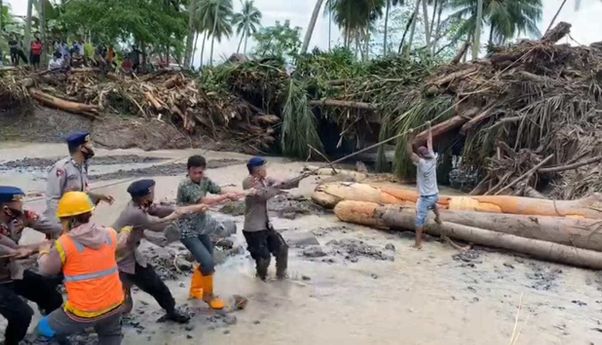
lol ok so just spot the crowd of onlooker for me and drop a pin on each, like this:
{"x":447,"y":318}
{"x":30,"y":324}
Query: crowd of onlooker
{"x":77,"y":54}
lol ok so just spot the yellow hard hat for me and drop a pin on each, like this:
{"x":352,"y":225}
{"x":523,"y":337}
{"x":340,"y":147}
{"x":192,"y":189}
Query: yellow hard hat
{"x":73,"y":204}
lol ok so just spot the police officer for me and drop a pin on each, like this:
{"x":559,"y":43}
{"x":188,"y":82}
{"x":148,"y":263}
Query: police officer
{"x":71,"y":174}
{"x":142,"y":214}
{"x":262,"y":240}
{"x":15,"y":280}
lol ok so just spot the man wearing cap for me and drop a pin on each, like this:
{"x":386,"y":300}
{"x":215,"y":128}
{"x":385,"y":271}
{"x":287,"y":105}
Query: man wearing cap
{"x":426,"y":182}
{"x":262,"y":239}
{"x":71,"y":174}
{"x":15,"y":280}
{"x":142,"y":214}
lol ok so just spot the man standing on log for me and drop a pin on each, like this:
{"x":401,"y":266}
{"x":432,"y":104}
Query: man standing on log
{"x":71,"y":174}
{"x":426,"y":181}
{"x":142,"y":214}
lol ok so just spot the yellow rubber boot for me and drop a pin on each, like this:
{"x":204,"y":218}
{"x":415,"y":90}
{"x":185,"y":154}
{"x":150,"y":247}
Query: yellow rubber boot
{"x":213,"y":301}
{"x":196,"y":285}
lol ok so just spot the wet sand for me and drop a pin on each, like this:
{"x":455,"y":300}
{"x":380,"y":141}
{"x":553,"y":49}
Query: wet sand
{"x":379,"y":291}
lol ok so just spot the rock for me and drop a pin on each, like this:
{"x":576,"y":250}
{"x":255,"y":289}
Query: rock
{"x":226,"y":332}
{"x":188,"y":336}
{"x":390,"y":246}
{"x":256,"y":322}
{"x":189,"y":328}
{"x":295,"y":238}
{"x":230,"y":319}
{"x":313,"y":252}
{"x":306,"y":278}
{"x":374,"y":276}
{"x":352,"y":249}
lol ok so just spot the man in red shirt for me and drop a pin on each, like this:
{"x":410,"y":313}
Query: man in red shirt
{"x":36,"y":52}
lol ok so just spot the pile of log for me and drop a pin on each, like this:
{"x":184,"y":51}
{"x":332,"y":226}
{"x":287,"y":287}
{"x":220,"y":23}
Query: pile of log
{"x":576,"y":242}
{"x":170,"y":96}
{"x":525,"y":119}
{"x":328,"y":195}
{"x":565,"y":231}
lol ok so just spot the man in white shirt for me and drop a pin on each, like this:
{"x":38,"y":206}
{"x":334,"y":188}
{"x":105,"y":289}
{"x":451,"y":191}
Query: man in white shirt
{"x":426,"y":181}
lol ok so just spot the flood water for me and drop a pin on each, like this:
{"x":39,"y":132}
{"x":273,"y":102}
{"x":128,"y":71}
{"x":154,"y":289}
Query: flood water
{"x":432,"y":296}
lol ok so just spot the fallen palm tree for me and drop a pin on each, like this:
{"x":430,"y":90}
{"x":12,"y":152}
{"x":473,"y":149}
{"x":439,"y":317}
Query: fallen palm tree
{"x":549,"y":238}
{"x":330,"y":194}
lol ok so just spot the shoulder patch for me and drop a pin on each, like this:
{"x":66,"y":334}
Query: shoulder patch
{"x":60,"y":172}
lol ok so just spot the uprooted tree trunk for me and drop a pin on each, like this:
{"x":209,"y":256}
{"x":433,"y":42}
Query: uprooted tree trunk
{"x":377,"y":216}
{"x":69,"y":106}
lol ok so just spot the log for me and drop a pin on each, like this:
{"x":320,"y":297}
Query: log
{"x":329,"y":194}
{"x":571,"y":166}
{"x":580,"y":233}
{"x":88,"y":110}
{"x":441,"y":128}
{"x":540,"y":249}
{"x":155,"y":103}
{"x":343,"y":104}
{"x":266,"y":119}
{"x":557,"y":33}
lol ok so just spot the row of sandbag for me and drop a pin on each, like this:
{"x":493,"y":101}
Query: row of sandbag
{"x":568,"y":240}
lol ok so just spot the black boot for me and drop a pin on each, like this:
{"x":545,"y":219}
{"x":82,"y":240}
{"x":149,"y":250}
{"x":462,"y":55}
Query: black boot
{"x":177,"y":316}
{"x":282,"y":262}
{"x":262,"y":265}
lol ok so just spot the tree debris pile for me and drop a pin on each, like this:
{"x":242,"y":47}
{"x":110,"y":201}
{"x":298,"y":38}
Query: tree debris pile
{"x":165,"y":95}
{"x":530,"y":116}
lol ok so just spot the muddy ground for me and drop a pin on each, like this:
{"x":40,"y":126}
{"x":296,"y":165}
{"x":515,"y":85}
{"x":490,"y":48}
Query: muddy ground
{"x":39,"y":124}
{"x":347,"y":283}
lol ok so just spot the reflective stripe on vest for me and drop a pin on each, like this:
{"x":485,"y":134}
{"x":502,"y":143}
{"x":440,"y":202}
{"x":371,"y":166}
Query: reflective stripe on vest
{"x":89,"y":276}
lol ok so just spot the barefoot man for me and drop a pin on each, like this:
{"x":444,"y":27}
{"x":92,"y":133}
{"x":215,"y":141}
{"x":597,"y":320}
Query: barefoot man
{"x":426,"y":181}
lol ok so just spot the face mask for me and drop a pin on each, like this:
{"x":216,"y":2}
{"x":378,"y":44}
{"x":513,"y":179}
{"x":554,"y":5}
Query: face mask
{"x":12,"y":213}
{"x":87,"y":152}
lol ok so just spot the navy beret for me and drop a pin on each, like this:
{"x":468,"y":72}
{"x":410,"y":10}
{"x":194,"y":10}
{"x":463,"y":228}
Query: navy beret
{"x":255,"y":162}
{"x":78,"y":138}
{"x":141,"y":188}
{"x":10,"y":193}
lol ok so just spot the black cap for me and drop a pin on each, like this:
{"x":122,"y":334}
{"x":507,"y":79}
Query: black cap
{"x":141,"y":188}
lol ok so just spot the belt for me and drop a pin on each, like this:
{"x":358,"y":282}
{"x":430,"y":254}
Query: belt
{"x":428,"y":196}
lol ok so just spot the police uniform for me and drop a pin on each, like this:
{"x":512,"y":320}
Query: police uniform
{"x":262,"y":240}
{"x":133,"y":266}
{"x":66,"y":176}
{"x":17,"y":281}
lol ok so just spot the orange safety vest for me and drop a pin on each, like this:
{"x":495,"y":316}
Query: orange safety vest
{"x":91,"y":276}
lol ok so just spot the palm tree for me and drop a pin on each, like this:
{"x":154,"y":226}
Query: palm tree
{"x":506,"y":19}
{"x":414,"y":19}
{"x":388,"y":5}
{"x":311,"y":26}
{"x":216,"y":15}
{"x":355,"y":16}
{"x":188,"y":52}
{"x":246,"y":23}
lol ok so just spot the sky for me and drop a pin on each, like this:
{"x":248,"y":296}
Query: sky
{"x":587,"y":22}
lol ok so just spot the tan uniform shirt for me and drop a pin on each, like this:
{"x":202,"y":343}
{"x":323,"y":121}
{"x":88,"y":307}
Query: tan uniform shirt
{"x":140,"y":220}
{"x":10,"y":235}
{"x":256,"y":204}
{"x":65,"y":176}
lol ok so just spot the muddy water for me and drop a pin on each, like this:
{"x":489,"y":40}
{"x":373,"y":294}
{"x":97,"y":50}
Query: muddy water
{"x":433,"y":296}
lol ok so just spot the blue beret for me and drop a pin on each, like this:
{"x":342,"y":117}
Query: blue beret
{"x":78,"y":138}
{"x":141,"y":188}
{"x":255,"y":162}
{"x":9,"y":193}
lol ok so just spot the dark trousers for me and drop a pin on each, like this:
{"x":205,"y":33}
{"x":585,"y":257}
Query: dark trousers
{"x":148,"y":281}
{"x":262,"y":244}
{"x":18,"y":313}
{"x":201,"y":248}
